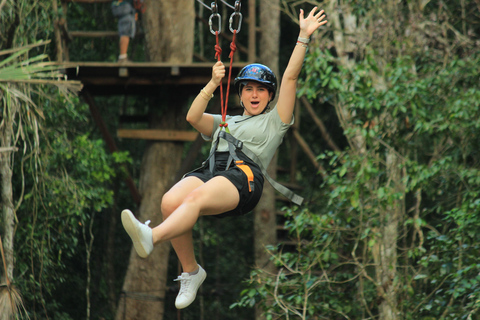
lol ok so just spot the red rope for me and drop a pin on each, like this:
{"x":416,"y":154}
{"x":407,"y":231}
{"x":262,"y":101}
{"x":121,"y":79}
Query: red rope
{"x":218,"y":52}
{"x":233,"y":48}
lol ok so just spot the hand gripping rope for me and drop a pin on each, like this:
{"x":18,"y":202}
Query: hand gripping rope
{"x":236,"y":15}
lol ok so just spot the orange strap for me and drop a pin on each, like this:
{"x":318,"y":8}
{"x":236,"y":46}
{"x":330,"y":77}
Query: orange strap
{"x":248,"y":172}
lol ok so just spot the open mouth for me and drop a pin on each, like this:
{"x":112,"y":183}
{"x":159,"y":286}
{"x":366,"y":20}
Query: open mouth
{"x":255,"y":104}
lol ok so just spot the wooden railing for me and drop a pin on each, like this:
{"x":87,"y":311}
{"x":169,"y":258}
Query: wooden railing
{"x":63,"y":36}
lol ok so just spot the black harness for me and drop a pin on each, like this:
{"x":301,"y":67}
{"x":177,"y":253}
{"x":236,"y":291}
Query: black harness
{"x":234,"y":145}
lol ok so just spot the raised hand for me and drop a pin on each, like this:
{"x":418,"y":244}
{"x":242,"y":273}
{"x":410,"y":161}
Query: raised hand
{"x":312,"y":22}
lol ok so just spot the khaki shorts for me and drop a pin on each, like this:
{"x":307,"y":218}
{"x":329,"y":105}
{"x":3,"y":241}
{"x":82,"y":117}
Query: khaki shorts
{"x":126,"y":19}
{"x":248,"y":200}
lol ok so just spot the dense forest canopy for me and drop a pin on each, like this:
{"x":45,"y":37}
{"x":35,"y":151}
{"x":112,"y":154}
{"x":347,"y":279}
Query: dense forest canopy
{"x":391,"y":225}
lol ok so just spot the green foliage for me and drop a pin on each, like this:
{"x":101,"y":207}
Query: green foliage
{"x":315,"y":278}
{"x":65,"y":187}
{"x":419,"y":108}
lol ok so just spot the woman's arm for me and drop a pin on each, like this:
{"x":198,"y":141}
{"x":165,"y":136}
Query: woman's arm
{"x":288,"y":88}
{"x":196,"y":115}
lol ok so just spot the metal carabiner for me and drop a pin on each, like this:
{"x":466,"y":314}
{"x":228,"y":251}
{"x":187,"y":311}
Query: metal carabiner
{"x":210,"y":23}
{"x":215,"y":14}
{"x":239,"y":16}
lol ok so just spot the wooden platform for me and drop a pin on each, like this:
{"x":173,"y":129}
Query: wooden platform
{"x":112,"y":78}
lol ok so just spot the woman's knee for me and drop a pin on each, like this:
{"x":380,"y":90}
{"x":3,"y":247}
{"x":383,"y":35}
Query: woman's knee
{"x":193,"y":197}
{"x":170,"y":202}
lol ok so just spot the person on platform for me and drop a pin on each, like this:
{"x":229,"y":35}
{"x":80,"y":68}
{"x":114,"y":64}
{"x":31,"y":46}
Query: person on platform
{"x":127,"y":13}
{"x":219,"y":188}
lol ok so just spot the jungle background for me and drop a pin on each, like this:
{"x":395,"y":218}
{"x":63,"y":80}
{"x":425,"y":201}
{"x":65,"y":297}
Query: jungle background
{"x":390,"y":227}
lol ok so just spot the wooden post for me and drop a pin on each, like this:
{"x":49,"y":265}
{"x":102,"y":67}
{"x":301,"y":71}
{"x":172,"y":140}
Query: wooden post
{"x":58,"y":34}
{"x":252,"y":32}
{"x":63,"y":23}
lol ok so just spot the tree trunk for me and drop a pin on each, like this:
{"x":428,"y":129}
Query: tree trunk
{"x":344,"y":46}
{"x":169,"y":27}
{"x":387,"y":269}
{"x":145,"y":283}
{"x":8,"y":210}
{"x":169,"y":38}
{"x":385,"y":251}
{"x":7,"y":223}
{"x":265,"y":231}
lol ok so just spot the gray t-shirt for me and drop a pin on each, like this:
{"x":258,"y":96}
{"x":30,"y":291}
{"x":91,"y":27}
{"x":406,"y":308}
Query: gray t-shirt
{"x":261,"y":134}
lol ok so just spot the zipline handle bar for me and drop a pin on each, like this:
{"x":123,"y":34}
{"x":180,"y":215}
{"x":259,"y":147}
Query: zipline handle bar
{"x":239,"y":17}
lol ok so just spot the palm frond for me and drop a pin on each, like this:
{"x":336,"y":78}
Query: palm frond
{"x":11,"y":303}
{"x":34,"y":70}
{"x":33,"y":45}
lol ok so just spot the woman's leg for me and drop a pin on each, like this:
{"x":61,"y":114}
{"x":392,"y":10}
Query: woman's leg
{"x":216,"y":196}
{"x":183,"y":245}
{"x":181,"y":207}
{"x":213,"y":197}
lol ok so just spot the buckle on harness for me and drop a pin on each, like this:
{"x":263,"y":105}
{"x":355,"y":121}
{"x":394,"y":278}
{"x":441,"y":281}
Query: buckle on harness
{"x":230,"y":139}
{"x":248,"y":172}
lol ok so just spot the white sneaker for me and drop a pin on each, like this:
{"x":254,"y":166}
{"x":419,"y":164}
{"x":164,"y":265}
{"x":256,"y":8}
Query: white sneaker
{"x":141,"y":234}
{"x":188,"y":287}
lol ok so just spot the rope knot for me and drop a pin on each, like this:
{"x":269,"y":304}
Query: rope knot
{"x":233,"y":48}
{"x":218,"y":51}
{"x":223,"y":124}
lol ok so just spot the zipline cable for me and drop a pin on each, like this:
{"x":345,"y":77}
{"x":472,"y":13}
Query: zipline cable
{"x":228,"y":5}
{"x":203,"y":4}
{"x":223,"y":1}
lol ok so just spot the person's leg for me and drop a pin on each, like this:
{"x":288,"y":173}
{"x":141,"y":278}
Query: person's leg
{"x":216,"y":196}
{"x":183,"y":245}
{"x":126,"y":31}
{"x":193,"y":198}
{"x":141,"y":233}
{"x":124,"y":42}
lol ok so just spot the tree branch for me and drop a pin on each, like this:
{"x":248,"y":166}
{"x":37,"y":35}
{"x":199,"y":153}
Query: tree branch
{"x":319,"y":124}
{"x":8,"y":149}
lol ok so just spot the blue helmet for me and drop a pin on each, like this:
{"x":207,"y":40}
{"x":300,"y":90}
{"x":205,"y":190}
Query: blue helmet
{"x":259,"y":73}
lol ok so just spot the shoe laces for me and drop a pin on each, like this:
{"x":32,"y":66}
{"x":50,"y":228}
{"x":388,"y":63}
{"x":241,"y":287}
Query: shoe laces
{"x":184,"y":283}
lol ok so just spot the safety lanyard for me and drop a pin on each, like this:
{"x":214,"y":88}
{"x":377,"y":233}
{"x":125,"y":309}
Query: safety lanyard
{"x":236,"y":15}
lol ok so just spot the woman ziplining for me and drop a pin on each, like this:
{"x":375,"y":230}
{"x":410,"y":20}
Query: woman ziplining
{"x":230,"y":182}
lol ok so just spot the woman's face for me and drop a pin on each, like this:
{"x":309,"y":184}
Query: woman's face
{"x":255,"y":97}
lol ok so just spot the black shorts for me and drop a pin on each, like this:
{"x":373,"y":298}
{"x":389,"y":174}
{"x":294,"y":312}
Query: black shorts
{"x":248,"y":200}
